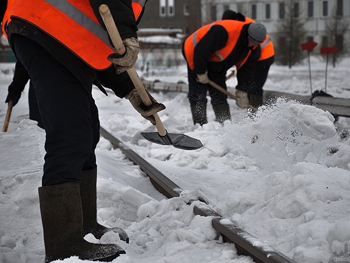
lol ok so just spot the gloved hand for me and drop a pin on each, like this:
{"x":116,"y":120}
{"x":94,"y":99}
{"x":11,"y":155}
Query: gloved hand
{"x":203,"y":78}
{"x":146,"y":111}
{"x":242,"y":100}
{"x":126,"y":61}
{"x":14,"y":96}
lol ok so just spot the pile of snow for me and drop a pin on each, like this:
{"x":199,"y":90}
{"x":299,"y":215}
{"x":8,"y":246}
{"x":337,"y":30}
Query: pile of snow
{"x":282,"y":174}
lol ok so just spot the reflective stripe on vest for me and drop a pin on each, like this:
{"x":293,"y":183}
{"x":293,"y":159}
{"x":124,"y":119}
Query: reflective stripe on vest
{"x":266,"y":41}
{"x":242,"y":61}
{"x":233,"y":29}
{"x":82,"y":19}
{"x":267,"y":49}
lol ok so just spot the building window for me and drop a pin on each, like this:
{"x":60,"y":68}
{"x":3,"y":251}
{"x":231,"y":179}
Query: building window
{"x":268,"y":11}
{"x":213,"y":13}
{"x":254,"y":12}
{"x":340,"y":8}
{"x":162,"y":8}
{"x":325,"y":8}
{"x":186,"y":10}
{"x":226,"y":7}
{"x":339,"y":42}
{"x":171,"y":9}
{"x":296,"y":9}
{"x":309,"y":39}
{"x":324,"y":41}
{"x":281,"y":10}
{"x":310,"y":9}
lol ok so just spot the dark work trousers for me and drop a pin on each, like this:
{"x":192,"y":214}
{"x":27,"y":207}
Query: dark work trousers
{"x":259,"y":79}
{"x":34,"y":112}
{"x":68,"y":112}
{"x":197,"y":92}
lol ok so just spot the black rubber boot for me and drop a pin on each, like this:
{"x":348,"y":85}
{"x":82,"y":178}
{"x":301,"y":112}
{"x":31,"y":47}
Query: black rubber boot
{"x":222,"y":112}
{"x":199,"y":114}
{"x":256,"y":100}
{"x":62,"y":220}
{"x":89,"y":205}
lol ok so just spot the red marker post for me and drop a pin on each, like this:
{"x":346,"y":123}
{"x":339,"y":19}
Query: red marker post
{"x":328,"y":50}
{"x":309,"y":46}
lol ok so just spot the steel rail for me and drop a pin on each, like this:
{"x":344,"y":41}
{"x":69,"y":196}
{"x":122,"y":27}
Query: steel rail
{"x":246,"y":244}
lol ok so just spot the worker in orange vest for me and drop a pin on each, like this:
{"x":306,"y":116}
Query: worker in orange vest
{"x":251,"y":80}
{"x":20,"y":77}
{"x":64,"y":47}
{"x":210,"y":52}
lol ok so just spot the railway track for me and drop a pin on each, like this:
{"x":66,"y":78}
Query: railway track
{"x":245,"y":243}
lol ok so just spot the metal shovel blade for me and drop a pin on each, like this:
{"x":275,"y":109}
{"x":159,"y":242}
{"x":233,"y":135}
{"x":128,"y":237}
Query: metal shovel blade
{"x":180,"y":141}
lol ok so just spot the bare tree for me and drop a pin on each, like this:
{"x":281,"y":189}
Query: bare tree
{"x":209,"y":11}
{"x":336,"y":28}
{"x":290,"y":33}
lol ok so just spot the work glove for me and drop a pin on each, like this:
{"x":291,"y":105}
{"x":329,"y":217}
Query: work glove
{"x":124,"y":62}
{"x":14,"y":96}
{"x":242,"y":100}
{"x":203,"y":78}
{"x":146,"y":111}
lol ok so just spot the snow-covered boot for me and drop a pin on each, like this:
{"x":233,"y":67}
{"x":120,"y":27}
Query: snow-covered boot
{"x":222,"y":112}
{"x":89,"y":204}
{"x":62,"y":220}
{"x":199,"y":114}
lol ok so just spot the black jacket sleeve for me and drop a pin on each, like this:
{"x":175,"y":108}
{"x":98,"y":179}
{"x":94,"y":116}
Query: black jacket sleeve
{"x":20,"y":79}
{"x":122,"y":13}
{"x":214,"y":40}
{"x":121,"y":84}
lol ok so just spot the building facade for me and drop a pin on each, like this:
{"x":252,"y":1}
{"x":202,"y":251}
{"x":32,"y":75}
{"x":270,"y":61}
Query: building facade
{"x":317,"y":15}
{"x":174,"y":15}
{"x":186,"y":16}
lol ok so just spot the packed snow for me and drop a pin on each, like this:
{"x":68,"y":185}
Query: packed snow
{"x":282,"y":175}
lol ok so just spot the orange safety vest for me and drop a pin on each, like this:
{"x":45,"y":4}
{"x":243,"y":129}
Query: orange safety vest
{"x":233,"y":28}
{"x":6,"y":16}
{"x":267,"y":49}
{"x":137,"y":7}
{"x":71,"y":22}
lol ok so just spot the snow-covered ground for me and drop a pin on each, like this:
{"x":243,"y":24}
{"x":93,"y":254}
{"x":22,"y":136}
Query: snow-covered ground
{"x":282,"y":175}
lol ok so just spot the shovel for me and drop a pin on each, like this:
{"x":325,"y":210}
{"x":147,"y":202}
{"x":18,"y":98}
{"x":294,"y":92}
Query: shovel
{"x":212,"y":83}
{"x":8,"y":116}
{"x":180,"y":141}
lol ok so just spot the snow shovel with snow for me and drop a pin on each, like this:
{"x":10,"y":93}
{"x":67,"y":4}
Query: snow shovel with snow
{"x":180,"y":141}
{"x":8,"y":116}
{"x":232,"y":96}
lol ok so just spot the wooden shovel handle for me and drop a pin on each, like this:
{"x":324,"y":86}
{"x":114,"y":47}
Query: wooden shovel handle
{"x":120,"y":49}
{"x":233,"y":73}
{"x":232,"y":96}
{"x":229,"y":94}
{"x":8,"y":116}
